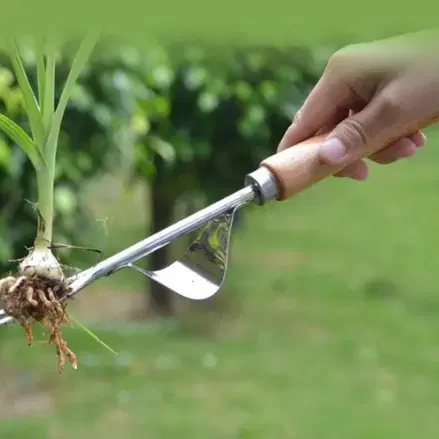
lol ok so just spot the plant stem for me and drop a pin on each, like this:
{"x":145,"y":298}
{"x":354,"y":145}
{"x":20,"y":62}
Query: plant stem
{"x":46,"y":177}
{"x":46,"y":181}
{"x":45,"y":185}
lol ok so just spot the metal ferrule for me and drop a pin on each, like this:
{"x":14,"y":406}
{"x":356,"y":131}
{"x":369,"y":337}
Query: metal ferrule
{"x":264,"y":184}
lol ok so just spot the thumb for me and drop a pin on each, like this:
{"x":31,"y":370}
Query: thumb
{"x":378,"y":123}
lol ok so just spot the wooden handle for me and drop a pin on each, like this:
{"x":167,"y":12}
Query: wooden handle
{"x":299,"y":167}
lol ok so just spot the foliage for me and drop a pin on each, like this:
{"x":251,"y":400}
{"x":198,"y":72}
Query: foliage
{"x":215,"y":114}
{"x":209,"y":114}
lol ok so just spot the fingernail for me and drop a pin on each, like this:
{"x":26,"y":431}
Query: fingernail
{"x":332,"y":150}
{"x":418,"y":138}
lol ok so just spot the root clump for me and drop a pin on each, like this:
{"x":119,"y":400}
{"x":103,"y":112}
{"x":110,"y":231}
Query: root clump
{"x":31,"y":299}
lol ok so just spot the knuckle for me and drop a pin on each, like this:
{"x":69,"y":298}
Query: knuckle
{"x":354,"y":132}
{"x":389,"y":109}
{"x":340,"y":58}
{"x":333,"y":62}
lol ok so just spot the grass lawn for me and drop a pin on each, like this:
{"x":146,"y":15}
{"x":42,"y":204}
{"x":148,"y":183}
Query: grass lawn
{"x":334,"y":332}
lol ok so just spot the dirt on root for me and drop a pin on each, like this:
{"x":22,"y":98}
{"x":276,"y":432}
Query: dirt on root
{"x":36,"y":299}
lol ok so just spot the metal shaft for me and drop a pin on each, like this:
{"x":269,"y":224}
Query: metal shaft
{"x":261,"y":187}
{"x":160,"y":239}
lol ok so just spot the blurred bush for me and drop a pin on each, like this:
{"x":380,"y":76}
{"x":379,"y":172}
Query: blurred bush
{"x":190,"y":120}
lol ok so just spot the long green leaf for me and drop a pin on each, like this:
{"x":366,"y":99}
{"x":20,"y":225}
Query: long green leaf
{"x":30,"y":102}
{"x":48,"y":102}
{"x":41,"y":74}
{"x":78,"y":64}
{"x":19,"y":136}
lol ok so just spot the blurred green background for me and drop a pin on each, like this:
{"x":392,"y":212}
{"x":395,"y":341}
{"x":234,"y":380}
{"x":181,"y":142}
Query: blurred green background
{"x":327,"y":325}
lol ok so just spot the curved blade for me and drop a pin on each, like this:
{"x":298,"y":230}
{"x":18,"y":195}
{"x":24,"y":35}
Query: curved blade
{"x":201,"y":271}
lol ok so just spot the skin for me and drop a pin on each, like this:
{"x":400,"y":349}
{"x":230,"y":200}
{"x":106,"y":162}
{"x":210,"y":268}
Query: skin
{"x":385,"y":91}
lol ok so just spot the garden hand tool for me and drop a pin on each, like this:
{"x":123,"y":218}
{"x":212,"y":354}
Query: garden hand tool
{"x":201,"y":271}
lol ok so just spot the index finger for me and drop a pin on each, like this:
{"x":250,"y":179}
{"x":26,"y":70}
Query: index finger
{"x":325,"y":107}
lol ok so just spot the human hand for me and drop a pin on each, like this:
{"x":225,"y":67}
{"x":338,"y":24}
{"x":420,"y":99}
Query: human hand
{"x":372,"y":92}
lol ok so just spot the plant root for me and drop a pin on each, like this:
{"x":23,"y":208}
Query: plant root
{"x":37,"y":299}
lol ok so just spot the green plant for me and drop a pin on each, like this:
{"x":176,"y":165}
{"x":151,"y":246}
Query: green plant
{"x":93,"y":141}
{"x":34,"y":293}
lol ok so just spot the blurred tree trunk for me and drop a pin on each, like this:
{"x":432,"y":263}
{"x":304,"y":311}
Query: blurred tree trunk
{"x":160,"y":299}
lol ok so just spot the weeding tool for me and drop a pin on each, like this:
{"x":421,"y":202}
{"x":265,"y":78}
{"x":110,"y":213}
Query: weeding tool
{"x":201,"y":271}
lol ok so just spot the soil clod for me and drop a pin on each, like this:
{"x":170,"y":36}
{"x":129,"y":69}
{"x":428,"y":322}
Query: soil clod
{"x":37,"y":299}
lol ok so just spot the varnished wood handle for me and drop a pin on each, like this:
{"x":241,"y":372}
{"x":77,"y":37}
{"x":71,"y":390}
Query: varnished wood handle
{"x":300,"y":167}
